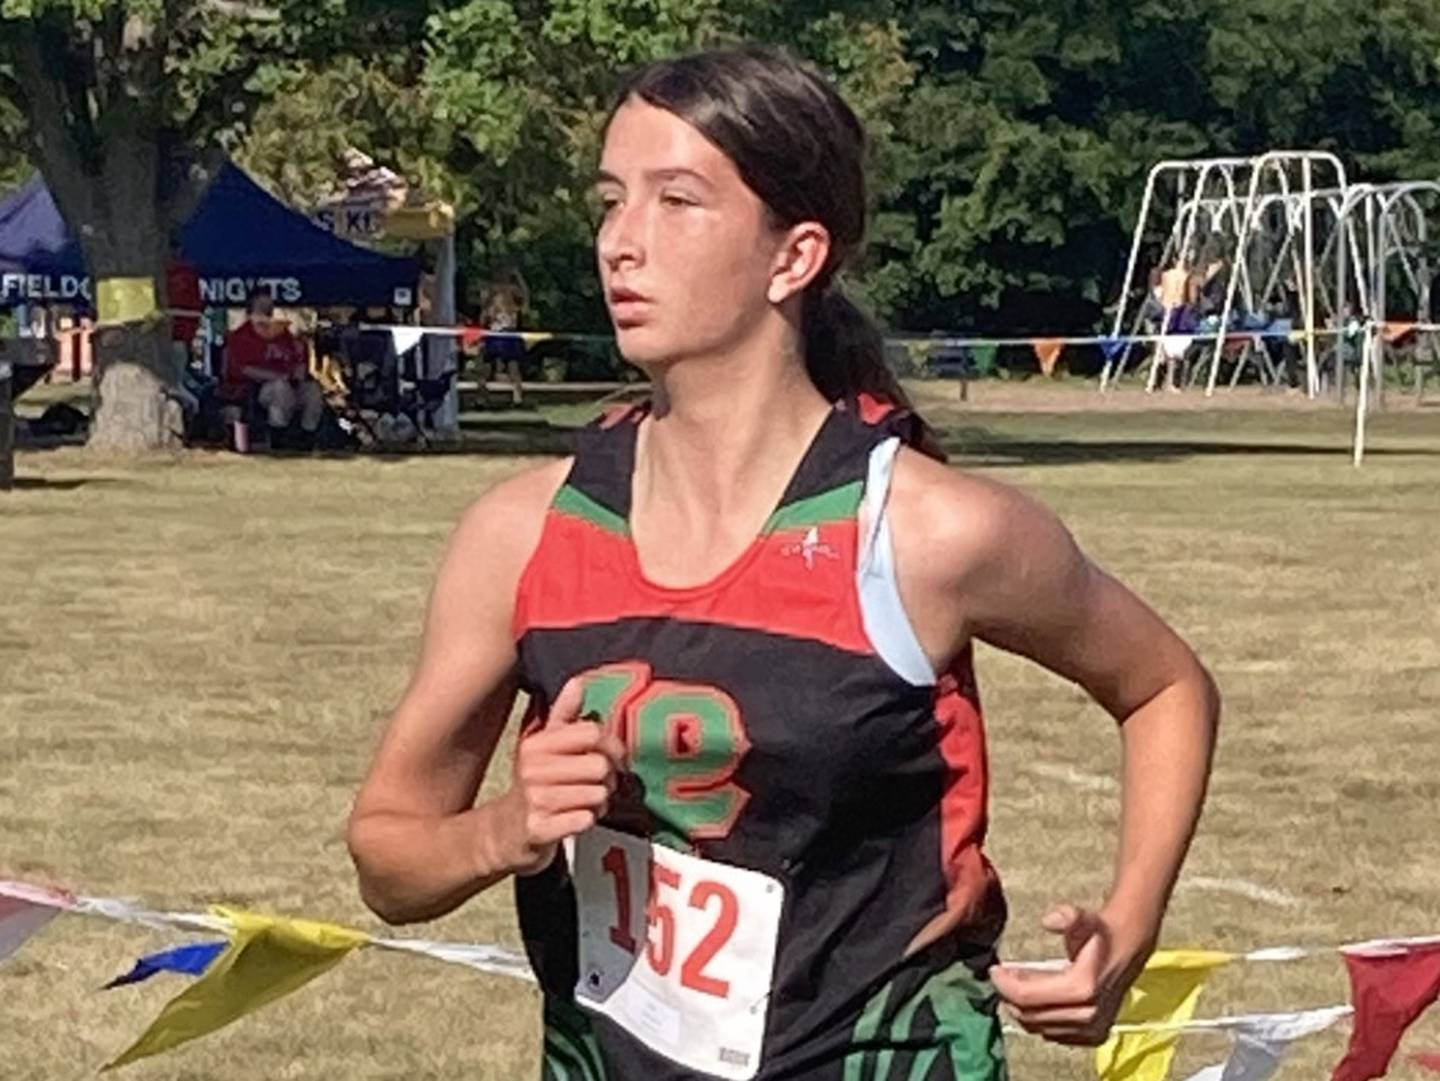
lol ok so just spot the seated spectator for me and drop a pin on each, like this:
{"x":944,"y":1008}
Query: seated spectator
{"x":371,"y":364}
{"x":1214,"y":286}
{"x":182,"y":294}
{"x":264,"y":358}
{"x":1178,"y":293}
{"x":1152,"y":310}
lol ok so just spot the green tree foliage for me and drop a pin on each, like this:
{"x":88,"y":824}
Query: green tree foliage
{"x":14,"y":166}
{"x":127,"y":107}
{"x":1034,"y":126}
{"x":1011,"y":139}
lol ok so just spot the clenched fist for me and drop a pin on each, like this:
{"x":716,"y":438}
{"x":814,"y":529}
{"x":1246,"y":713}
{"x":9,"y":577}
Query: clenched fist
{"x":564,"y":774}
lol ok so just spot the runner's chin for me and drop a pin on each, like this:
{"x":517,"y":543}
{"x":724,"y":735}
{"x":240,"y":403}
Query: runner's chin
{"x":640,"y":340}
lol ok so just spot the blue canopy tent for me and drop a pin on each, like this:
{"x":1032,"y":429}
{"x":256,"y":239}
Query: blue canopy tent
{"x":240,"y":238}
{"x":39,"y":260}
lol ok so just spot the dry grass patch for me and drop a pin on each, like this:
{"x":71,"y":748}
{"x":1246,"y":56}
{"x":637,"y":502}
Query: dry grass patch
{"x":197,"y":656}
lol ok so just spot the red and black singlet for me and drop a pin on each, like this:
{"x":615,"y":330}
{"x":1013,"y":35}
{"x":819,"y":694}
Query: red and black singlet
{"x":768,"y":731}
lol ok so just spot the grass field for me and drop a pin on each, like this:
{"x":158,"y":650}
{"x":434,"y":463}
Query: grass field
{"x":197,"y":655}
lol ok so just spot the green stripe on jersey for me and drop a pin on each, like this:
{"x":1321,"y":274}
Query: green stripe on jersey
{"x":571,"y":1051}
{"x":573,"y":501}
{"x":896,"y":1041}
{"x":836,"y":505}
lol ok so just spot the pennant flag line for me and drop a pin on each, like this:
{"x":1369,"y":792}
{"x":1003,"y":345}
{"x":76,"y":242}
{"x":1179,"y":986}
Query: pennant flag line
{"x":121,"y":911}
{"x":1388,"y":945}
{"x":1261,"y":1043}
{"x":406,"y":338}
{"x":1279,"y":953}
{"x":493,"y":959}
{"x":191,"y":960}
{"x":984,"y":355}
{"x":1177,"y":345}
{"x":1048,"y":348}
{"x":1389,"y":991}
{"x":1047,"y":352}
{"x":1394,"y":981}
{"x":267,"y":959}
{"x":506,"y":961}
{"x":485,"y":958}
{"x":24,"y":910}
{"x":1226,"y":1023}
{"x":1165,"y":993}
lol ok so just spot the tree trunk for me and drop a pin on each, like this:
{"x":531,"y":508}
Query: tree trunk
{"x":134,"y":366}
{"x":133,"y":412}
{"x":97,"y":133}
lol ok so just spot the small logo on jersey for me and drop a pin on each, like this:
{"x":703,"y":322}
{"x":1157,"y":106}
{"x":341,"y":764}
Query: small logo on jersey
{"x":809,"y":547}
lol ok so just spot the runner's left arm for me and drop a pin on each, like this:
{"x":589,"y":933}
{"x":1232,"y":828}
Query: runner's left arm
{"x":987,"y":562}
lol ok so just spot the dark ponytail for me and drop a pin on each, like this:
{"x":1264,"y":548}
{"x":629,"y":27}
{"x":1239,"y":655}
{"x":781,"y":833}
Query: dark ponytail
{"x":844,"y":350}
{"x":801,"y":149}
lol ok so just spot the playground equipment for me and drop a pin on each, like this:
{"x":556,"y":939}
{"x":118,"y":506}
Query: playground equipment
{"x":1259,"y":220}
{"x":1391,"y":224}
{"x":1309,"y":260}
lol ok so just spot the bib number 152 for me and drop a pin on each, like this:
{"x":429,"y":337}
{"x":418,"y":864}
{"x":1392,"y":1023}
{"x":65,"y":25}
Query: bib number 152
{"x":678,"y":950}
{"x":660,"y":920}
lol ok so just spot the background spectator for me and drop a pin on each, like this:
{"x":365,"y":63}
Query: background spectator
{"x":263,"y":358}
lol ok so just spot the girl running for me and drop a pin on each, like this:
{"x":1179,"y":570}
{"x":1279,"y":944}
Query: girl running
{"x":746,"y":812}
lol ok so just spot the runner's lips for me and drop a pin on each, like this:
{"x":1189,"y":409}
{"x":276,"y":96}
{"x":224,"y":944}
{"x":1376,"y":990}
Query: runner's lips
{"x":627,"y":296}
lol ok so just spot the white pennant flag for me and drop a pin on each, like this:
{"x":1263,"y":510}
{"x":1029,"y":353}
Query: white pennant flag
{"x":1261,"y":1041}
{"x":405,"y":339}
{"x":24,"y":909}
{"x":1177,"y":345}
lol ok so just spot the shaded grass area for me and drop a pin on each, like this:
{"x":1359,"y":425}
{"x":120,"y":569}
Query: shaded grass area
{"x":199,"y":652}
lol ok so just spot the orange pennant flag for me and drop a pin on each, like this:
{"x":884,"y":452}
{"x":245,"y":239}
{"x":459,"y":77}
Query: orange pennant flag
{"x":1047,"y":351}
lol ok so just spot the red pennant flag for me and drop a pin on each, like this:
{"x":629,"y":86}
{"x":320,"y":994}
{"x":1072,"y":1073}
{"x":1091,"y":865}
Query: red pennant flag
{"x":470,"y":337}
{"x":1389,"y":991}
{"x":1430,"y":1060}
{"x":1235,"y":344}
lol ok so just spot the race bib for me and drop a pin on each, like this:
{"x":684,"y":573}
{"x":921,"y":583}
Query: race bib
{"x":677,"y":950}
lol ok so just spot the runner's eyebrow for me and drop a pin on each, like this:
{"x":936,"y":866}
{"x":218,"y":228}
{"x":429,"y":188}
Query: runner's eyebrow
{"x":604,"y":176}
{"x":678,"y":173}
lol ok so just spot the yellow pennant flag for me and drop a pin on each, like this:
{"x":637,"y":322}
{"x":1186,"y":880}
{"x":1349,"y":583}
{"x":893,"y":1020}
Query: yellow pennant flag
{"x":535,"y":337}
{"x":268,"y":958}
{"x":1165,"y":993}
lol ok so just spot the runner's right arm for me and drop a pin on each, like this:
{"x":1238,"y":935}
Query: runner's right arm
{"x":421,"y":844}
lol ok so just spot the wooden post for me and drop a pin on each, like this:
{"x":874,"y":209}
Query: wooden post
{"x":7,"y":429}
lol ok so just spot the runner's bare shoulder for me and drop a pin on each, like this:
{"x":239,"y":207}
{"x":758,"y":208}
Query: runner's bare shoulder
{"x":499,"y":532}
{"x":946,"y":518}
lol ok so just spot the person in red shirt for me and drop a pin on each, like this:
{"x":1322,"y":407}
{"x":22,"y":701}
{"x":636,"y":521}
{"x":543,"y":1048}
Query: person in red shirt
{"x":263,"y":354}
{"x":182,"y":294}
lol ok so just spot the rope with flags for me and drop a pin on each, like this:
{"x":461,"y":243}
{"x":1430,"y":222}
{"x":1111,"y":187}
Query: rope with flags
{"x":247,"y":960}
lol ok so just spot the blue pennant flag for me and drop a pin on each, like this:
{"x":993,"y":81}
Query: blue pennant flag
{"x":1112,"y":347}
{"x":190,"y":960}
